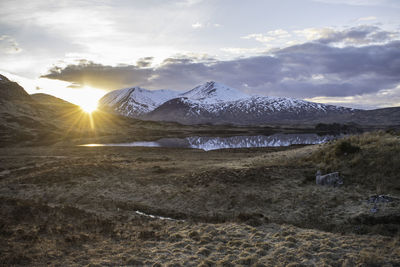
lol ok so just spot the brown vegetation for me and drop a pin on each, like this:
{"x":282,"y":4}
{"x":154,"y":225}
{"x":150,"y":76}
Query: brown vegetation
{"x":370,"y":160}
{"x":69,"y":205}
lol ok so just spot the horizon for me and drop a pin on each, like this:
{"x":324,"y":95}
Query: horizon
{"x":343,"y":53}
{"x":90,"y":107}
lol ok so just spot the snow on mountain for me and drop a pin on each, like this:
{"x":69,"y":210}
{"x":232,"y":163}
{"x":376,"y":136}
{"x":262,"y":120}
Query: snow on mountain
{"x":251,"y":110}
{"x":212,"y":92}
{"x":213,"y":102}
{"x":257,"y":104}
{"x":137,"y":101}
{"x":133,"y":102}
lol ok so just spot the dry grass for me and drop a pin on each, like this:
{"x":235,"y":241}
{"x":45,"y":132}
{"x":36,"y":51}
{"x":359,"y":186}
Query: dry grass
{"x":371,"y":160}
{"x":35,"y":234}
{"x":76,"y":206}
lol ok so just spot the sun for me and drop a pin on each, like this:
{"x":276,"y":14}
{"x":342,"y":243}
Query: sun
{"x":88,"y":107}
{"x":88,"y":98}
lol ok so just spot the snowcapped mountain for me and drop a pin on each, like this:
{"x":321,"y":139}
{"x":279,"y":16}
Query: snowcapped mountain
{"x":216,"y":103}
{"x":248,"y":111}
{"x":136,"y":101}
{"x":212,"y":93}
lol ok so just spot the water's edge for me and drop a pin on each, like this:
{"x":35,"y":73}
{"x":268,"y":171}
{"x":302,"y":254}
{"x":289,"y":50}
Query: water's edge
{"x":213,"y":143}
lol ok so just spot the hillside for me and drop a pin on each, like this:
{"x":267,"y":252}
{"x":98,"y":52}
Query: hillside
{"x":382,"y":116}
{"x":41,"y":119}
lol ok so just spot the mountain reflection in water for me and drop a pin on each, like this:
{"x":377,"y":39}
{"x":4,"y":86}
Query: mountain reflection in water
{"x":212,"y":143}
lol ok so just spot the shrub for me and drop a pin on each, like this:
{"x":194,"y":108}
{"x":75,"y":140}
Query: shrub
{"x":344,"y":147}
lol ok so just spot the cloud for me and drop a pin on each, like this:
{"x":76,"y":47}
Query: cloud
{"x":269,"y":36}
{"x":367,"y":18}
{"x":8,"y":45}
{"x":87,"y":73}
{"x":259,"y":37}
{"x":314,"y":33}
{"x":360,"y":35}
{"x":390,"y":3}
{"x":50,"y":31}
{"x":346,"y":71}
{"x":144,"y":62}
{"x":188,"y":2}
{"x":381,"y":99}
{"x":241,"y":50}
{"x":355,"y":36}
{"x":308,"y":70}
{"x":197,"y":25}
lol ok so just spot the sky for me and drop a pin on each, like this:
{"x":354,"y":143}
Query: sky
{"x":341,"y":52}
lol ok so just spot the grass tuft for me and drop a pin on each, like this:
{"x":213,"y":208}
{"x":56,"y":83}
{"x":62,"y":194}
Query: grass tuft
{"x":370,"y":160}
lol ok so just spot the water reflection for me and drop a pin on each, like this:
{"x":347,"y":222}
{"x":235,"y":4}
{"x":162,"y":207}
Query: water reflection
{"x":212,"y":143}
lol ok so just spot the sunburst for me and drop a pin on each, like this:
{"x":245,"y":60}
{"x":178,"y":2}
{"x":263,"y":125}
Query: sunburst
{"x":89,"y":107}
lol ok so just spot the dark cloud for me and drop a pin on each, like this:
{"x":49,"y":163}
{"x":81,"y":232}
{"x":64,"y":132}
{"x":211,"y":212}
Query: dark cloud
{"x":144,"y":62}
{"x":101,"y":76}
{"x":306,"y":70}
{"x":358,"y":36}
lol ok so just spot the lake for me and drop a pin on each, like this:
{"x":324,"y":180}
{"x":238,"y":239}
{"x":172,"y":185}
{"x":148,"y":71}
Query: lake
{"x":212,"y":143}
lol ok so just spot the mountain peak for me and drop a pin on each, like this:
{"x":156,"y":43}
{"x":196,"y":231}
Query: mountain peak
{"x":210,"y":83}
{"x":3,"y":79}
{"x":135,"y":101}
{"x":213,"y":92}
{"x":12,"y":91}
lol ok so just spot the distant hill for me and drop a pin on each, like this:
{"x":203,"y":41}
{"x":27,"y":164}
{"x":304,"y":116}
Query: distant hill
{"x":382,"y":116}
{"x":50,"y":100}
{"x":12,"y":91}
{"x":21,"y":117}
{"x":42,"y":118}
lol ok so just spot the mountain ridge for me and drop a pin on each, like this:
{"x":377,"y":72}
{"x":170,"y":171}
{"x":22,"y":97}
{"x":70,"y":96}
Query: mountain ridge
{"x":212,"y":92}
{"x":217,"y":103}
{"x":135,"y":101}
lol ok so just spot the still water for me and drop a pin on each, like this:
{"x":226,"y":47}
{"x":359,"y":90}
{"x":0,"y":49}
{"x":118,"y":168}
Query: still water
{"x":212,"y":143}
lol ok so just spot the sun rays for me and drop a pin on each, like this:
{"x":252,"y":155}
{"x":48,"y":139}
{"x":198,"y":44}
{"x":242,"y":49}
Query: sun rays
{"x":84,"y":124}
{"x":89,"y":107}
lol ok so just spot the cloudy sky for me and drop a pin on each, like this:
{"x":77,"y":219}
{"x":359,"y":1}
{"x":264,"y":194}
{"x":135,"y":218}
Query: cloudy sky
{"x":344,"y":52}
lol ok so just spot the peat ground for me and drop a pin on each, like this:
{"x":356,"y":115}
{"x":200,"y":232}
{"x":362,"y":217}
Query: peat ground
{"x":70,"y":205}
